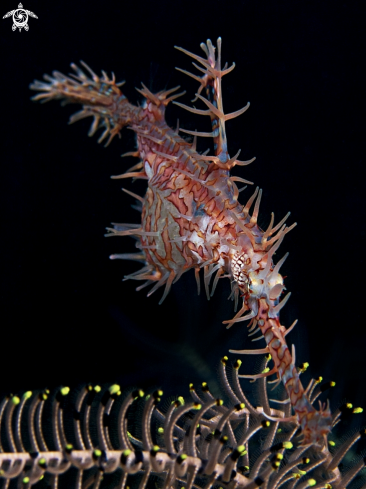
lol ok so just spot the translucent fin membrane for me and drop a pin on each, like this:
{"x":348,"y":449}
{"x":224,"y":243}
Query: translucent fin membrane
{"x":108,"y":439}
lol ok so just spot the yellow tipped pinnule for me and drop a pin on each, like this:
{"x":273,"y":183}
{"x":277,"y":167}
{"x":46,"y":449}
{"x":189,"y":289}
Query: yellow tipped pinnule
{"x":160,"y":430}
{"x":125,"y":455}
{"x":331,"y":443}
{"x":265,"y":370}
{"x":357,"y":410}
{"x":219,"y":402}
{"x":97,"y":453}
{"x":137,"y":394}
{"x":303,"y":367}
{"x":64,"y":390}
{"x":237,"y":364}
{"x":25,"y":480}
{"x":114,"y":389}
{"x":287,"y":444}
{"x":181,"y":400}
{"x":27,"y":395}
{"x":97,"y":388}
{"x":197,"y":406}
{"x":311,"y":482}
{"x":15,"y":400}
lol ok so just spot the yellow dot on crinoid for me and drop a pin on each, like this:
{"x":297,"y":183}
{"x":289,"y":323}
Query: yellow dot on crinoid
{"x":114,"y":389}
{"x":287,"y":444}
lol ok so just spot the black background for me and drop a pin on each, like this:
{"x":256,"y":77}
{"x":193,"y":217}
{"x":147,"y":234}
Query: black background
{"x":66,"y":316}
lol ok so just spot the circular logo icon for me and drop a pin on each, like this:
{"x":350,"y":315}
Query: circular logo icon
{"x":20,"y":19}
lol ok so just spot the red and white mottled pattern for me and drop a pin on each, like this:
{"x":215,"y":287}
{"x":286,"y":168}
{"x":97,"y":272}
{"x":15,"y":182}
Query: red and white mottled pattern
{"x":191,"y":216}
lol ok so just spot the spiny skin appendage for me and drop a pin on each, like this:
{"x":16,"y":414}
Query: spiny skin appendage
{"x":191,"y":217}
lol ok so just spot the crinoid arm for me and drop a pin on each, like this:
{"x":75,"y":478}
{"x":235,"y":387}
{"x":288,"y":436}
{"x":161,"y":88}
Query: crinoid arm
{"x":122,"y":439}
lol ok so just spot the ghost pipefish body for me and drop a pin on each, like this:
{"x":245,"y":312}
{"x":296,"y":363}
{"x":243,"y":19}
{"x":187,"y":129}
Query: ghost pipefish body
{"x":190,"y":215}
